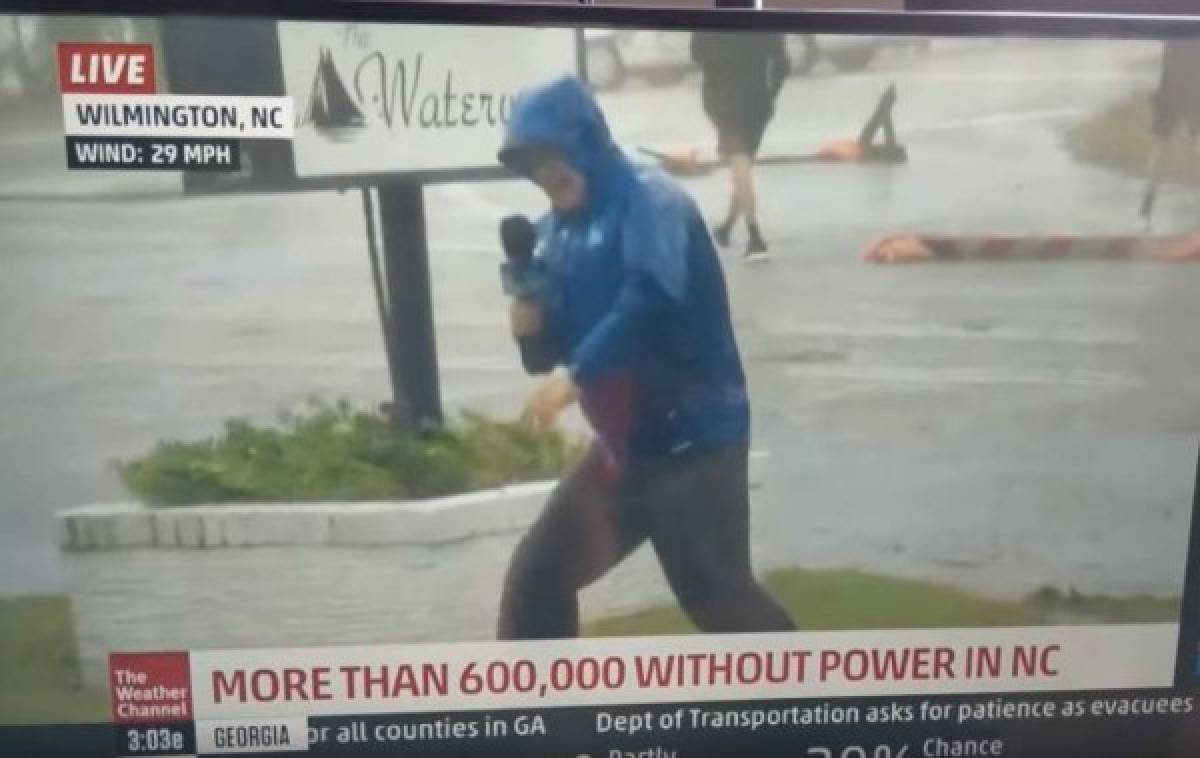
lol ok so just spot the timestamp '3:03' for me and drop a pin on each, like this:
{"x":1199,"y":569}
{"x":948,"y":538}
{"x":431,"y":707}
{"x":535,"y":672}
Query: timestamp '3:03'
{"x":154,"y":740}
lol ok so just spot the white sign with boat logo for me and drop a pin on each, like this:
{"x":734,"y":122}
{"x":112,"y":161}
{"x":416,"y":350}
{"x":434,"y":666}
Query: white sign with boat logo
{"x":382,"y":98}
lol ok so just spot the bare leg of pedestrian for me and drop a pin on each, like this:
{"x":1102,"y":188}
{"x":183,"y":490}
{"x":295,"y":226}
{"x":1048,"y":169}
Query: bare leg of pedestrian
{"x":723,"y":232}
{"x":731,"y":147}
{"x":741,"y":166}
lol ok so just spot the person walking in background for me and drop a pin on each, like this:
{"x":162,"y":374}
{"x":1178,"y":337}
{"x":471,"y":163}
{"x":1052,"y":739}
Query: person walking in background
{"x":743,"y":74}
{"x":634,"y":324}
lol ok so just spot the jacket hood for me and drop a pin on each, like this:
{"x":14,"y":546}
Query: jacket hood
{"x":655,"y":215}
{"x":562,"y":116}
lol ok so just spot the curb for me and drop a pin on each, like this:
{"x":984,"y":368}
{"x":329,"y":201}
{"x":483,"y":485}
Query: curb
{"x":930,"y":248}
{"x":106,"y":527}
{"x":686,"y":163}
{"x":436,"y":521}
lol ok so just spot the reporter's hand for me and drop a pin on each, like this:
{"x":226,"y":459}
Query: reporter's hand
{"x":549,"y":398}
{"x":525,"y":318}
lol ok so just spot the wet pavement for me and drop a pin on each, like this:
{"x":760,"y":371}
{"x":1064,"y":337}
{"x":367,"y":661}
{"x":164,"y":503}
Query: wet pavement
{"x":1000,"y":426}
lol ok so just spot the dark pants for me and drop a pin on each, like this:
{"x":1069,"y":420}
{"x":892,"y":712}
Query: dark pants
{"x":696,"y":515}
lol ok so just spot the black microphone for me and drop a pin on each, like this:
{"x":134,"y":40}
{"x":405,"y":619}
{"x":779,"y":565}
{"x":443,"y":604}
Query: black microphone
{"x":518,"y":236}
{"x":519,"y":275}
{"x":522,"y":277}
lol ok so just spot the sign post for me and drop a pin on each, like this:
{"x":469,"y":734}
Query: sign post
{"x":412,"y":348}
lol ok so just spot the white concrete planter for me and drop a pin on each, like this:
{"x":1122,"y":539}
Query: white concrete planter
{"x":247,"y":576}
{"x":270,"y":575}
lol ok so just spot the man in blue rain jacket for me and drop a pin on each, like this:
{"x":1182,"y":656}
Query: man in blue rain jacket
{"x":634,"y":324}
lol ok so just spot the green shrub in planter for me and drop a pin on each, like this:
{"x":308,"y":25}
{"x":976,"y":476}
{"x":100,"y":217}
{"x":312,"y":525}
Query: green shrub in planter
{"x":334,"y":453}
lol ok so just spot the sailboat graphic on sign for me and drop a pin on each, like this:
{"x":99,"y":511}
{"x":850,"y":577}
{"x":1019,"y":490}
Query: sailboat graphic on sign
{"x":330,"y":108}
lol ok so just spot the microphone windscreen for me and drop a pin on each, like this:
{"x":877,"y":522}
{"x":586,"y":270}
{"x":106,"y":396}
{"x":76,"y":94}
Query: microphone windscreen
{"x":518,"y":237}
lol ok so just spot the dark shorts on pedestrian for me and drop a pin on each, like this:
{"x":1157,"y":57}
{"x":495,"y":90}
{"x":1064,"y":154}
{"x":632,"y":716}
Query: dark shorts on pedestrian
{"x":740,"y":136}
{"x":740,"y":119}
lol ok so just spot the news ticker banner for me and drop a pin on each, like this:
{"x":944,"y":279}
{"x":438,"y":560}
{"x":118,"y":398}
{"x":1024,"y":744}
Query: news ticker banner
{"x":269,"y":700}
{"x":114,"y":118}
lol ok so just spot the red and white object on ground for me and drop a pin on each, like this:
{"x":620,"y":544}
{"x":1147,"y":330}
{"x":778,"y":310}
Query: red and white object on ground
{"x":921,"y":248}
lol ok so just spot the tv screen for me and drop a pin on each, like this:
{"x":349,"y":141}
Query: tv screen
{"x":389,"y":379}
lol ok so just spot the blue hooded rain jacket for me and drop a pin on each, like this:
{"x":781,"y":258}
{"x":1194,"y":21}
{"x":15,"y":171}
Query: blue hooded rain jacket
{"x":635,"y":304}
